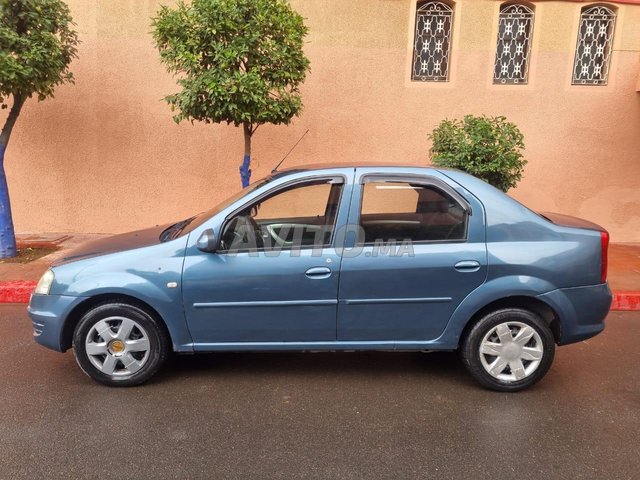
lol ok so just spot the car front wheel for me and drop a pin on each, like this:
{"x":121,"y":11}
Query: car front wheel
{"x":120,"y":345}
{"x":509,"y":349}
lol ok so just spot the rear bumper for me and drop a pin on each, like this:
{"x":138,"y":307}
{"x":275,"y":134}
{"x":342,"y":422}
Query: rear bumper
{"x":48,"y":314}
{"x":582,"y":310}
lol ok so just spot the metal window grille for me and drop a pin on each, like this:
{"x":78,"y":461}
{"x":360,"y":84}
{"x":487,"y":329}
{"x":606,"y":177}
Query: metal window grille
{"x":432,"y":43}
{"x":515,"y":28}
{"x":594,"y":46}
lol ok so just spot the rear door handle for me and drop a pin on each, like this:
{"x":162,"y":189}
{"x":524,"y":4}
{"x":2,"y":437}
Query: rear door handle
{"x":467,"y":266}
{"x":318,"y":272}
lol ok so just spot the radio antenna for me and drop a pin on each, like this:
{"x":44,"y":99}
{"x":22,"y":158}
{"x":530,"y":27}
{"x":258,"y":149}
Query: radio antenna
{"x":275,"y":170}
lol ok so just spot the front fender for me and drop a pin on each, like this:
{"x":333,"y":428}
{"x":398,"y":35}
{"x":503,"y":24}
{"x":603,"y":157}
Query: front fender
{"x":166,"y":301}
{"x":489,"y":292}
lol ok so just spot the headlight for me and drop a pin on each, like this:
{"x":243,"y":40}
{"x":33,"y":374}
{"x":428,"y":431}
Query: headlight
{"x":44,"y":285}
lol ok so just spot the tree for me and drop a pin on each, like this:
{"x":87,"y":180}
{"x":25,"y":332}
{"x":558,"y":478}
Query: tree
{"x":238,"y":61}
{"x":37,"y":45}
{"x":489,"y":148}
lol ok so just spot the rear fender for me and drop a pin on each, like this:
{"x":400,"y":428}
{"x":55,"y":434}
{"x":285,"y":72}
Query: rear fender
{"x":489,"y":292}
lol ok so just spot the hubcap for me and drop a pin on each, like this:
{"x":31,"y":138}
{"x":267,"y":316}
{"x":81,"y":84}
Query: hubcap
{"x":511,"y":351}
{"x":117,"y":346}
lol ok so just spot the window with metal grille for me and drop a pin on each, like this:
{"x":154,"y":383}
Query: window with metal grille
{"x":515,"y":30}
{"x":594,"y":46}
{"x":432,"y":42}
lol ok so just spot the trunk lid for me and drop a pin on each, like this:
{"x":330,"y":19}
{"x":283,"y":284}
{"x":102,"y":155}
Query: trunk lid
{"x":569,"y":221}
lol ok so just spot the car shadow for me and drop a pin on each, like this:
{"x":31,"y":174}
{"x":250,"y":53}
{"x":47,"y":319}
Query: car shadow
{"x":446,"y":365}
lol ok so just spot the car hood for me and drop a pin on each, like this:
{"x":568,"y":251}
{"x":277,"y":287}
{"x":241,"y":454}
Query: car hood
{"x":114,"y":244}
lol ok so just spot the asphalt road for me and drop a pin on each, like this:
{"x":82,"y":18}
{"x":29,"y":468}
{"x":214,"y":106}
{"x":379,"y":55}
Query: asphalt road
{"x":323,"y":415}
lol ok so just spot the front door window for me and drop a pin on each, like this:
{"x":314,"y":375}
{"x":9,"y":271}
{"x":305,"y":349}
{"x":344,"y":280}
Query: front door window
{"x":296,"y":217}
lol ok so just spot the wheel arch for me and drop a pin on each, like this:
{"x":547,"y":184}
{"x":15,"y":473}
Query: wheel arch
{"x":537,"y":306}
{"x":74,"y":316}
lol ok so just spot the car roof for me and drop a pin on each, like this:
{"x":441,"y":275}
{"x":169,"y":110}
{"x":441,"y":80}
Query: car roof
{"x":327,"y":166}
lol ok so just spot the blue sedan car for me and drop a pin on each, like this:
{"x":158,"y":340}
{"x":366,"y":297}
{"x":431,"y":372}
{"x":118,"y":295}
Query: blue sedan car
{"x":336,"y":258}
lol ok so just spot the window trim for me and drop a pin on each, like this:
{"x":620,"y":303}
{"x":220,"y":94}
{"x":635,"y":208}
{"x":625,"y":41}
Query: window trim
{"x":334,"y":178}
{"x":420,"y":180}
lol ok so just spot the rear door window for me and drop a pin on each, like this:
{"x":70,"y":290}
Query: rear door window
{"x":399,"y":211}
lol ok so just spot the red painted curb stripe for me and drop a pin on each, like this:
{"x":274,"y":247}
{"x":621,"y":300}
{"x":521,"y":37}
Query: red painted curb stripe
{"x":19,"y":291}
{"x":626,"y":301}
{"x":16,"y":291}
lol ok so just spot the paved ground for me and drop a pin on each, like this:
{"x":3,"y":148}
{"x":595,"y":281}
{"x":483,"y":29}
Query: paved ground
{"x":341,"y":415}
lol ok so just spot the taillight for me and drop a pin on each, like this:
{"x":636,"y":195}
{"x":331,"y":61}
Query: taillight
{"x":604,"y":242}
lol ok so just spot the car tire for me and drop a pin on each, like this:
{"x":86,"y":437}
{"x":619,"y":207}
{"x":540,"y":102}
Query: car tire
{"x":120,"y":345}
{"x":509,"y":349}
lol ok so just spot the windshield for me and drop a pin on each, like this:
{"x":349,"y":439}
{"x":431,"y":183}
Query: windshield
{"x":190,"y":224}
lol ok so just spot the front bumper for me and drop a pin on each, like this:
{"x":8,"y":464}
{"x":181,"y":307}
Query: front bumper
{"x":48,"y":315}
{"x":582,"y":310}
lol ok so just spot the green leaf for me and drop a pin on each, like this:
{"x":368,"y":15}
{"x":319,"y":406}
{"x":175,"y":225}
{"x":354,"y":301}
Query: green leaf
{"x":37,"y":45}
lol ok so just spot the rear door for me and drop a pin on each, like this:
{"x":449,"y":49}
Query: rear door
{"x":420,"y":250}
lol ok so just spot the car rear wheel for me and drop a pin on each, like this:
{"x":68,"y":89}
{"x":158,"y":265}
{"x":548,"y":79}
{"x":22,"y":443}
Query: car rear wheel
{"x":509,"y":349}
{"x":120,"y":345}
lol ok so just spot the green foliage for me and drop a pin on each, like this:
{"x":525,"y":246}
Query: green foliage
{"x":489,"y":148}
{"x":37,"y":45}
{"x":238,"y":61}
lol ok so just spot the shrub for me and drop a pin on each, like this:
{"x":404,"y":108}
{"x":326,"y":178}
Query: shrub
{"x":489,"y":148}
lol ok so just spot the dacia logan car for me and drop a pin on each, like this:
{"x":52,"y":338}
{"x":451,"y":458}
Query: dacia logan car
{"x":335,"y":258}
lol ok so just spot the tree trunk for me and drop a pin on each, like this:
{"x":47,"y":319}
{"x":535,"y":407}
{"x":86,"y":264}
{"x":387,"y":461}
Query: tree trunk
{"x":245,"y":170}
{"x":7,"y":234}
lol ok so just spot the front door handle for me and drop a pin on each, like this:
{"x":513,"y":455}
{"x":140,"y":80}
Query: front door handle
{"x":318,"y":272}
{"x":467,"y":266}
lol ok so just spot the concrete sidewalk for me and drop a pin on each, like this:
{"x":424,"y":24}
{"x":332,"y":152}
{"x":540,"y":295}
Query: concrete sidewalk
{"x":33,"y":270}
{"x":17,"y":280}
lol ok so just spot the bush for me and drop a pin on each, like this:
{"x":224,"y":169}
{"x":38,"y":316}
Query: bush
{"x":489,"y":148}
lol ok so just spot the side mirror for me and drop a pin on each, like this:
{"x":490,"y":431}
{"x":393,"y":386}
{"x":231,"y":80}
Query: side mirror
{"x":207,"y":241}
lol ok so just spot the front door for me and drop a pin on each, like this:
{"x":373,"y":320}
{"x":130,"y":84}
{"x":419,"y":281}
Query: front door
{"x":419,"y":253}
{"x":274,"y":277}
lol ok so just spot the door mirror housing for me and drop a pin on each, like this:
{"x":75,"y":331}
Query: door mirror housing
{"x":207,"y":241}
